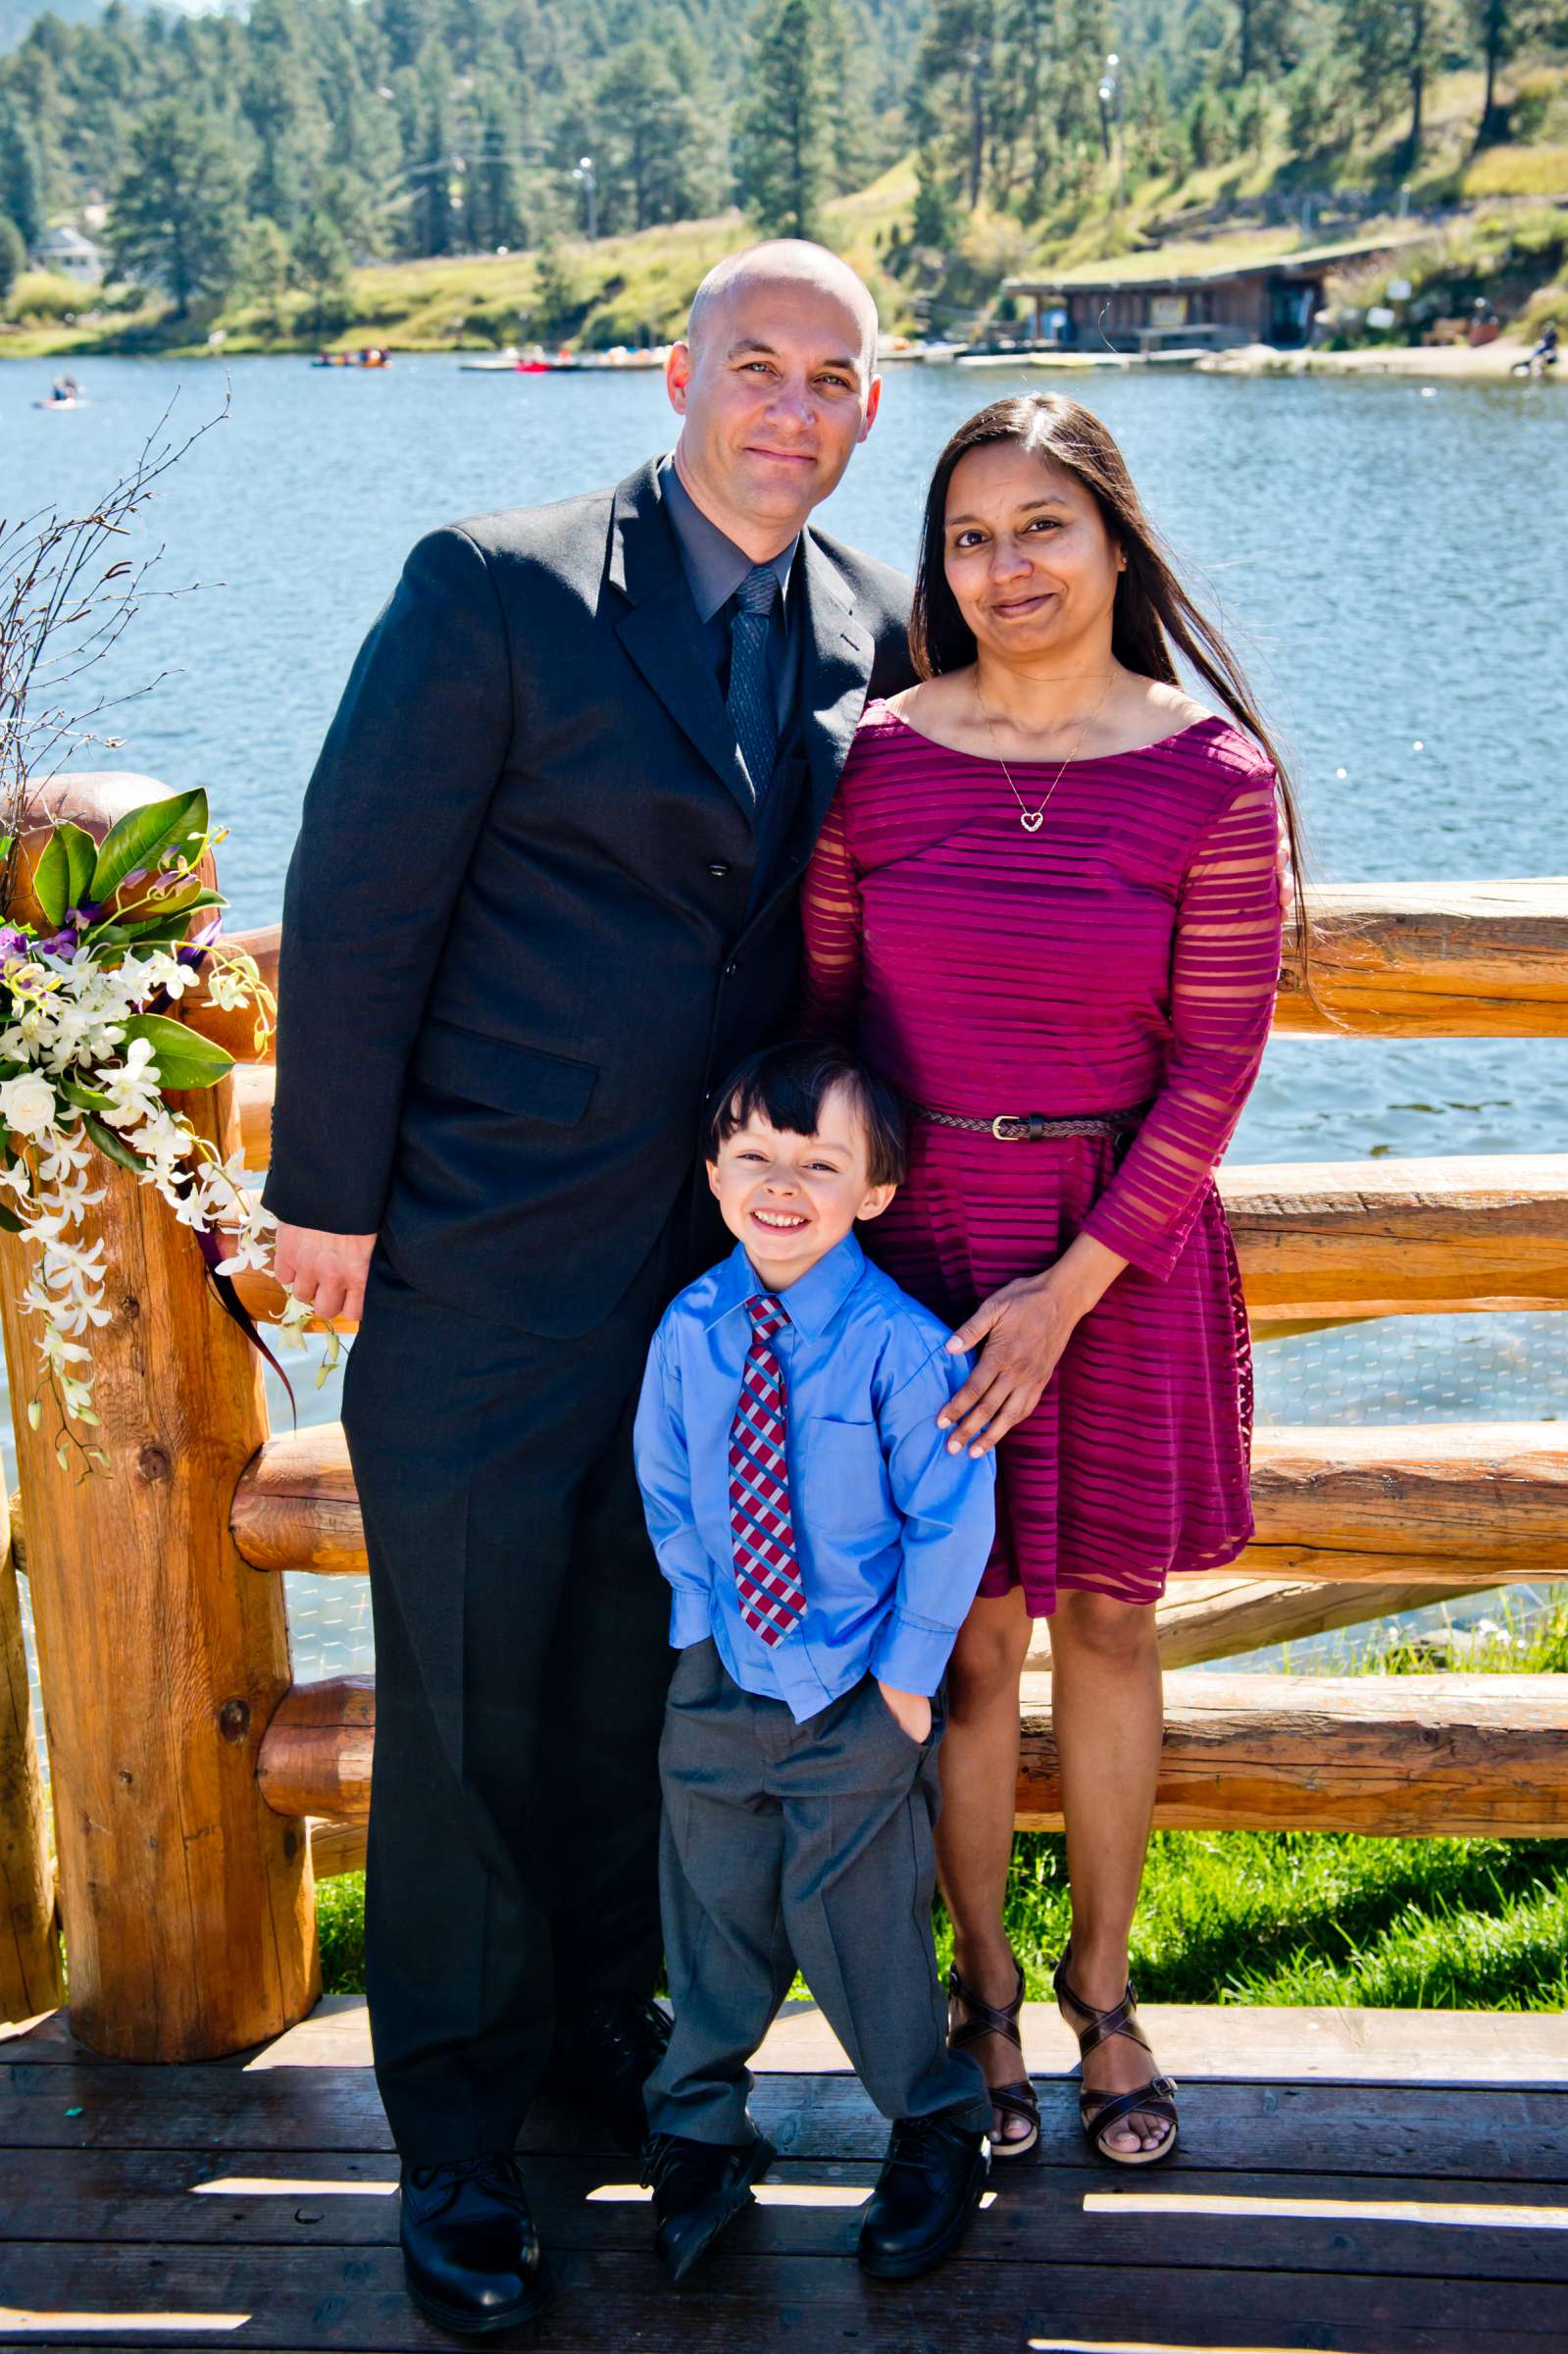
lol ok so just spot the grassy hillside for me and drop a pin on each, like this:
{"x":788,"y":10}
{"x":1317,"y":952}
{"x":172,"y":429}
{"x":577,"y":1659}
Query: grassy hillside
{"x":1490,"y":221}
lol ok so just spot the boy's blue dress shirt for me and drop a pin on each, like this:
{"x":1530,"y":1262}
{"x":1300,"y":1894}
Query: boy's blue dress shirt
{"x":891,"y":1531}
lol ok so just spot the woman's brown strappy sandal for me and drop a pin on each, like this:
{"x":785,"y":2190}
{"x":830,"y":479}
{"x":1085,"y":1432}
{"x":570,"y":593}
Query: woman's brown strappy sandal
{"x":1102,"y":2112}
{"x":1011,"y":2100}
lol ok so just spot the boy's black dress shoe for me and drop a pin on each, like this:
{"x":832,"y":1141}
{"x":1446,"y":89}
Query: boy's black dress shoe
{"x":698,"y":2187}
{"x":929,"y":2187}
{"x":470,"y":2250}
{"x":603,"y":2056}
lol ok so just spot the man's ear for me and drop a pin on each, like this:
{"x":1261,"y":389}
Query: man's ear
{"x":876,"y":1201}
{"x":677,"y":375}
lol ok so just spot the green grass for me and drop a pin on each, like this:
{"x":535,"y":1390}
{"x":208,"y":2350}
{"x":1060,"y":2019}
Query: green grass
{"x":1282,"y":1916}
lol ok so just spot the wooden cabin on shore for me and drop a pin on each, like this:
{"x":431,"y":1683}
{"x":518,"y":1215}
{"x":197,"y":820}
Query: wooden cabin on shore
{"x":1149,"y":307}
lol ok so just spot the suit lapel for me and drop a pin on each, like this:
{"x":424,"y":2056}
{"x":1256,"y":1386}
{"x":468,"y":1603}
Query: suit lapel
{"x":661,"y":632}
{"x":834,"y":673}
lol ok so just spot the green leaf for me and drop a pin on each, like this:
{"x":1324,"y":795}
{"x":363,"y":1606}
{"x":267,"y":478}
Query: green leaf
{"x":51,"y":880}
{"x":82,"y":856}
{"x":141,"y":834}
{"x":183,"y":1059}
{"x":113,"y":1146}
{"x":157,"y":931}
{"x":86,"y":1099}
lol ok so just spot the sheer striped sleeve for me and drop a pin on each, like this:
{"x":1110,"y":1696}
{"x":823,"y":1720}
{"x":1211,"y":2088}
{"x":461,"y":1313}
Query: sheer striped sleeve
{"x":830,"y":921}
{"x":1225,"y":969}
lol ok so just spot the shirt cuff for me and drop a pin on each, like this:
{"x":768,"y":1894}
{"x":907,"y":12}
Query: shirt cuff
{"x":1152,"y":1251}
{"x":689,"y":1618}
{"x":912,"y":1654}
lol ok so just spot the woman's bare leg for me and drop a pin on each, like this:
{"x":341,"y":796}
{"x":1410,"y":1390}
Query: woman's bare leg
{"x":974,"y":1828}
{"x":1107,"y":1708}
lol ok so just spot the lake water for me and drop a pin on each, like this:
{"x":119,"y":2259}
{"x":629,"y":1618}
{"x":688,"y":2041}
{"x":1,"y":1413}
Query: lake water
{"x":1388,"y":558}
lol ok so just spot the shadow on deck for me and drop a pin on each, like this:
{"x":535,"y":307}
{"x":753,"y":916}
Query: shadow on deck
{"x":1355,"y":2181}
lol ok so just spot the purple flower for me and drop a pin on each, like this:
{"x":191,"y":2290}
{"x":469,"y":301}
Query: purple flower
{"x":59,"y":944}
{"x":87,"y":913}
{"x":191,"y":954}
{"x":12,"y":942}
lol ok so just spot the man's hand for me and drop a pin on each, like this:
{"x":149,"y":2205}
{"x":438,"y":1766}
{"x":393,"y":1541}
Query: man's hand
{"x":911,"y":1709}
{"x":324,"y":1270}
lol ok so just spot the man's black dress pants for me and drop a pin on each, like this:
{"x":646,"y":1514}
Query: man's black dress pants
{"x":522,"y":1655}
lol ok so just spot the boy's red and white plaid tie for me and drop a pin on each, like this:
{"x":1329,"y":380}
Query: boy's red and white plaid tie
{"x":761,"y":1533}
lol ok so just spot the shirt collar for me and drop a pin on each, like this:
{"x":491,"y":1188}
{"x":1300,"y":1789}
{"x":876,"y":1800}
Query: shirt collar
{"x":713,"y":564}
{"x":811,"y":1302}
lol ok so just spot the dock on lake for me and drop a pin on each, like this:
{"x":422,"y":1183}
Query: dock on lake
{"x":1354,"y":2181}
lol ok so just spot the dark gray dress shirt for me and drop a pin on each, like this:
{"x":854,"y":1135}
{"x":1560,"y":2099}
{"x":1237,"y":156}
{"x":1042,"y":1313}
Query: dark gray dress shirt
{"x":715,"y":568}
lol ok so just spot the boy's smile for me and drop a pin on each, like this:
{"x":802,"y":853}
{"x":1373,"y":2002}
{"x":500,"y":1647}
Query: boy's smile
{"x":792,"y":1198}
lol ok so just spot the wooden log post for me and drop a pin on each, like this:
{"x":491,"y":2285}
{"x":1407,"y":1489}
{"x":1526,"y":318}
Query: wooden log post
{"x":30,"y":1976}
{"x":188,"y":1904}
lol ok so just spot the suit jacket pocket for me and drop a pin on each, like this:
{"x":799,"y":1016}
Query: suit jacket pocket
{"x":502,"y":1073}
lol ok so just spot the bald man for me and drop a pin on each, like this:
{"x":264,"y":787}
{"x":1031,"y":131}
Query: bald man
{"x":543,"y":897}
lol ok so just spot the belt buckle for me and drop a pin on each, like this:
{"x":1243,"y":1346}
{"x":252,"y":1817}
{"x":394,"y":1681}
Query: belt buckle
{"x":1009,"y":1127}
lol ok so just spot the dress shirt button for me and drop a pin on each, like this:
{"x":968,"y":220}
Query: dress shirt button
{"x":718,"y":866}
{"x":731,"y":970}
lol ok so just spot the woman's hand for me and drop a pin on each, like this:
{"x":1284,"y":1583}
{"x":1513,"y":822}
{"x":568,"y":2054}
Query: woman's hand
{"x":1025,"y":1327}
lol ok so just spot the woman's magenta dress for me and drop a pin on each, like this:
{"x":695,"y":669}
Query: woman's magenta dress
{"x":1125,"y":955}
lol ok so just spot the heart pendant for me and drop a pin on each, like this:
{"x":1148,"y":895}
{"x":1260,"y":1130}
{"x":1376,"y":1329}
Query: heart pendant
{"x":1031,"y":820}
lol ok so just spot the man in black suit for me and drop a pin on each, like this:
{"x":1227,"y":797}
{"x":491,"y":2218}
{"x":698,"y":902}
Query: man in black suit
{"x":543,"y":898}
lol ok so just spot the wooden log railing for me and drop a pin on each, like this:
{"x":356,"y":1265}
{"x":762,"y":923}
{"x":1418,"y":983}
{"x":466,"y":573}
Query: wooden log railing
{"x":1431,"y":1503}
{"x":1408,"y":1756}
{"x":188,"y":1767}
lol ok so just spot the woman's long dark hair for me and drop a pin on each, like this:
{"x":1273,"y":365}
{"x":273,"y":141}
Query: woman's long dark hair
{"x":1152,"y":612}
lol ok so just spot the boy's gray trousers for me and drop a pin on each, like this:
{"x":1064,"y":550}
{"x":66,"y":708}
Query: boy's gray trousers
{"x":791,"y":1845}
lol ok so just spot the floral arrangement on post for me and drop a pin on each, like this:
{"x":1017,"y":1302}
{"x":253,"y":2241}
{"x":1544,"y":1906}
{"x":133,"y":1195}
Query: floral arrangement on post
{"x":97,"y":941}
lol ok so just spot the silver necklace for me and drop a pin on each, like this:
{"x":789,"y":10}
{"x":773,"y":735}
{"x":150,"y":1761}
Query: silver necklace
{"x":1030,"y":819}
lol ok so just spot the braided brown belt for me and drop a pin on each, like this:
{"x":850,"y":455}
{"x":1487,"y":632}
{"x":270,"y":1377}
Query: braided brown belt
{"x":1031,"y":1127}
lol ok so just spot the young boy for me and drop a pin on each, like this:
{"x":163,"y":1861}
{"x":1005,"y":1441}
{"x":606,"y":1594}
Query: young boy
{"x":823,"y":1547}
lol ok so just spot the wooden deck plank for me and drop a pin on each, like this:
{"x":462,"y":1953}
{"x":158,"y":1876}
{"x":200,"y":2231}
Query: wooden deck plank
{"x":1187,"y":2218}
{"x":750,"y":2298}
{"x":1333,"y":2042}
{"x":1500,"y":2133}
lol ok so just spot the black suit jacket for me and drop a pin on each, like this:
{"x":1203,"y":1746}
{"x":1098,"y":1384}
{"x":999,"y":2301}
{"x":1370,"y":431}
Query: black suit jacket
{"x":520,"y":941}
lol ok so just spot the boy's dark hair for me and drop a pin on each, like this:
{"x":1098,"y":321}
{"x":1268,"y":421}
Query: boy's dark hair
{"x":788,"y":1083}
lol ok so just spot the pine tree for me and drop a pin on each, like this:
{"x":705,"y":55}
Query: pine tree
{"x":177,"y":218}
{"x":319,"y":266}
{"x":20,"y":175}
{"x":656,"y":141}
{"x":13,"y":255}
{"x":262,"y":266}
{"x":785,"y":141}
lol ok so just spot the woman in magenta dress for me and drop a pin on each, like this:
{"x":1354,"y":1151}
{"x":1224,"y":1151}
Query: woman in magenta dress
{"x":1047,"y":900}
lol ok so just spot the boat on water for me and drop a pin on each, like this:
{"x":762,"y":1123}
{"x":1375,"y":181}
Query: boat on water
{"x":373,"y":355}
{"x":64,"y":394}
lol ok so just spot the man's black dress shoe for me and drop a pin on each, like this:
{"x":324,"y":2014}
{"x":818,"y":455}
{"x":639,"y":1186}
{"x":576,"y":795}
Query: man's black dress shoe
{"x":929,"y":2187}
{"x":698,"y":2187}
{"x":603,"y":2056}
{"x":470,"y":2250}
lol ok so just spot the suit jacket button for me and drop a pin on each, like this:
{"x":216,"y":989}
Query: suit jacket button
{"x":729,"y":971}
{"x":718,"y":867}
